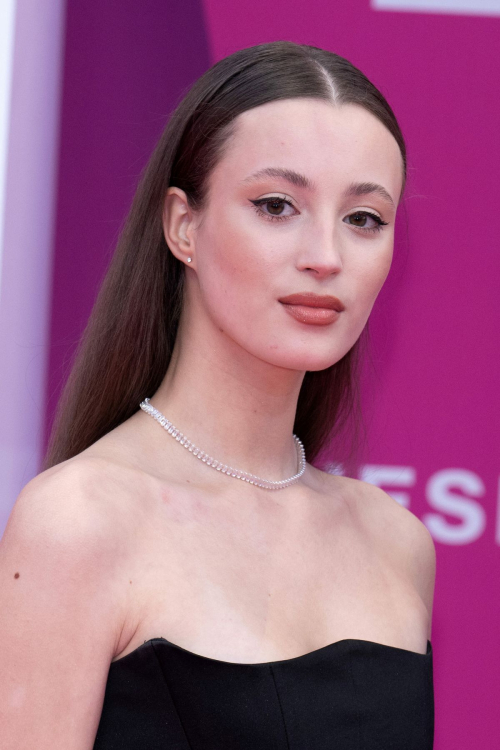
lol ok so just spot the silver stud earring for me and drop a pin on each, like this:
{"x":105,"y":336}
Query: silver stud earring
{"x":189,"y":259}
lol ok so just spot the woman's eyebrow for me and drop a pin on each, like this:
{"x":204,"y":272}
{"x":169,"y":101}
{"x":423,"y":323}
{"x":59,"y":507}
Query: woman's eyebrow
{"x":365,"y":188}
{"x":300,"y":180}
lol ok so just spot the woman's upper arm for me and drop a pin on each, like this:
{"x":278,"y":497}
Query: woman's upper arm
{"x":422,"y":556}
{"x":61,"y":611}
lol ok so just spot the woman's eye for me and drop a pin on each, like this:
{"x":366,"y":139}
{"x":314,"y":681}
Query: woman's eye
{"x":362,"y":219}
{"x":276,"y":211}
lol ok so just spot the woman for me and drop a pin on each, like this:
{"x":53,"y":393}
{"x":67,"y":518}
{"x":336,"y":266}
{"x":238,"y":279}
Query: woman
{"x":297,"y":604}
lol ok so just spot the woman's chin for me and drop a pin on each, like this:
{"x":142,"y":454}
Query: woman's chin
{"x":303,"y":362}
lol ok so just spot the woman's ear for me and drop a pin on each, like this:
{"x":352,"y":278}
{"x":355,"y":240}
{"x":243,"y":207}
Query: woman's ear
{"x":178,"y":225}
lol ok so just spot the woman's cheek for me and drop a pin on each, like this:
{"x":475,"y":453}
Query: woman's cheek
{"x":230,"y":286}
{"x":372,"y":274}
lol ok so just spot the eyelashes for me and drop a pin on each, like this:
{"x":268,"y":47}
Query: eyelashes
{"x":280,"y":201}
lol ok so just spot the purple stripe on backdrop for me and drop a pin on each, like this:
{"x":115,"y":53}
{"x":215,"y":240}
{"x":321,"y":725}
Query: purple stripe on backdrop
{"x":126,"y":67}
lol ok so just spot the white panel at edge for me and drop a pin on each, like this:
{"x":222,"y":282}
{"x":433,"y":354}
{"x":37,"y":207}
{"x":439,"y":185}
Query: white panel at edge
{"x":462,"y":7}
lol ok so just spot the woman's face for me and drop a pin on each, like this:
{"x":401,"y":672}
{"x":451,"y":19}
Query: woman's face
{"x":263,"y":238}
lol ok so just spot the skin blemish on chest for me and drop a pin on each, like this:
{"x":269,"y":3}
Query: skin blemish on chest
{"x":179,"y":512}
{"x":16,"y":575}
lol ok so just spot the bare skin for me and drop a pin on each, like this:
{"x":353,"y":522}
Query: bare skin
{"x":238,"y":576}
{"x":221,"y":568}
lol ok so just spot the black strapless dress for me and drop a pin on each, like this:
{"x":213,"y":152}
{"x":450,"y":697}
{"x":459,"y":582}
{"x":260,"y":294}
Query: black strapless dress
{"x":349,"y":695}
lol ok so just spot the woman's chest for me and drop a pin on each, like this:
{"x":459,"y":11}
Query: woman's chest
{"x":247,"y":586}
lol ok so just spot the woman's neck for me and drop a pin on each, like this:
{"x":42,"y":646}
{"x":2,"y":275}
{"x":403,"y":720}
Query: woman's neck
{"x":237,"y":408}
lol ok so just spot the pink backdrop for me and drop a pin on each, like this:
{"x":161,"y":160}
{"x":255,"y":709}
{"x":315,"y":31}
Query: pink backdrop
{"x":432,"y":408}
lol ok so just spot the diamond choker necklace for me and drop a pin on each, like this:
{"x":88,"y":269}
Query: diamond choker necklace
{"x":209,"y":461}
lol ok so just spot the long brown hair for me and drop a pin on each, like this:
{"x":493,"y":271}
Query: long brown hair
{"x":126,"y":347}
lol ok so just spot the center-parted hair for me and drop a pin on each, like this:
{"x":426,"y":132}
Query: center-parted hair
{"x":125,"y":350}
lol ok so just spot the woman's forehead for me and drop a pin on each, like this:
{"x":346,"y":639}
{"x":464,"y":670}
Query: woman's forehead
{"x":322,"y":141}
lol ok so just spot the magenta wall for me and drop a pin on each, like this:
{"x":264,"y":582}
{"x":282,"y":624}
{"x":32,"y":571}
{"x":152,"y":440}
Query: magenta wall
{"x":432,"y":407}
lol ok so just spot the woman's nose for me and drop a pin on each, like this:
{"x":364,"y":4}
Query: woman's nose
{"x":321,"y":254}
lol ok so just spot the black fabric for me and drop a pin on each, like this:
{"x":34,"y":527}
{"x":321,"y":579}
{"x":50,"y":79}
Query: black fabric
{"x":349,"y":695}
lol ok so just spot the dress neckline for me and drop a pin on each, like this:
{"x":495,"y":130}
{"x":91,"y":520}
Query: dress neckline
{"x":344,"y":643}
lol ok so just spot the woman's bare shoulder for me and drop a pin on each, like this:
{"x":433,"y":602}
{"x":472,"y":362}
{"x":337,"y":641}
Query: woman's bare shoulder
{"x":86,"y":499}
{"x":394,"y":528}
{"x":69,"y":508}
{"x":375,"y":506}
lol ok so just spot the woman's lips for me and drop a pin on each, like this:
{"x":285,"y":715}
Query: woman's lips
{"x":316,"y":316}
